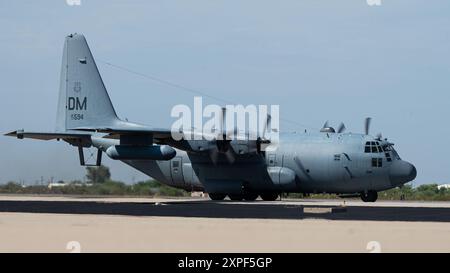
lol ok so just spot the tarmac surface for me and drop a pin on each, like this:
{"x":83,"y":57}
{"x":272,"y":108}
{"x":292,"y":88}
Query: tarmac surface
{"x":42,"y":224}
{"x":303,"y":209}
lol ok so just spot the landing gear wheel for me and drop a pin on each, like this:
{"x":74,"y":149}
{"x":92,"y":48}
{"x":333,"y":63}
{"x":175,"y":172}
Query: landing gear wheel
{"x":217,"y":196}
{"x":250,"y":196}
{"x":236,"y":197}
{"x":269,"y":196}
{"x":370,"y":196}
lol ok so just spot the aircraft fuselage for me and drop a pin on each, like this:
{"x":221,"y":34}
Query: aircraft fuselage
{"x":302,"y":162}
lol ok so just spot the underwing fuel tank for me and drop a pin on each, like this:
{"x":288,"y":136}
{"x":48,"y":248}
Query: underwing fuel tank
{"x":135,"y":152}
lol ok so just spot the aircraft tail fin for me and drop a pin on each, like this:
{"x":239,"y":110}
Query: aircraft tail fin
{"x":83,"y":99}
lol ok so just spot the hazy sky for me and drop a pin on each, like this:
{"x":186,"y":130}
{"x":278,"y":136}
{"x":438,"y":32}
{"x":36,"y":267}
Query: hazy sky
{"x":319,"y":60}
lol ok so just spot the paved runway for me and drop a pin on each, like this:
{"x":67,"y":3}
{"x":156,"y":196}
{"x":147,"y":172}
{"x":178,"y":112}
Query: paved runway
{"x":56,"y":224}
{"x":303,"y":209}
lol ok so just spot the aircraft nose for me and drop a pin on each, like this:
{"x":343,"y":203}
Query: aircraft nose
{"x":402,"y":172}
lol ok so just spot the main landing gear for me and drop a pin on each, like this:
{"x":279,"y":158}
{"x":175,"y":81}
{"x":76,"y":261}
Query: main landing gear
{"x":217,"y":196}
{"x":370,"y":196}
{"x":249,"y":196}
{"x":269,"y":196}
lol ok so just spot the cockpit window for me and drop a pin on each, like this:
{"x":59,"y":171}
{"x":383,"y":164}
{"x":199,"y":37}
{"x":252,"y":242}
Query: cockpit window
{"x":388,"y":157}
{"x":372,"y":147}
{"x":394,"y":152}
{"x":387,"y":148}
{"x":377,"y":162}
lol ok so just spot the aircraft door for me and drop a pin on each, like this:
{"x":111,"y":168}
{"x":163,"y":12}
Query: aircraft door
{"x":369,"y":174}
{"x":176,"y":170}
{"x":272,"y":160}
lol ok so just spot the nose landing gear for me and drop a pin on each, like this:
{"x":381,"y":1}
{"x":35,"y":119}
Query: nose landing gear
{"x":247,"y":196}
{"x":369,"y":196}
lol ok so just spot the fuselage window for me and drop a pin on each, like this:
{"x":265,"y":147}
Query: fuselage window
{"x":388,"y":157}
{"x":377,"y":162}
{"x":374,"y":162}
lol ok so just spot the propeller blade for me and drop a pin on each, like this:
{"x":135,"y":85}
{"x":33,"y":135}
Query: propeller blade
{"x":367,"y":125}
{"x":341,"y":128}
{"x":222,"y":124}
{"x":379,"y":136}
{"x":214,"y":155}
{"x":267,"y":124}
{"x":230,"y":156}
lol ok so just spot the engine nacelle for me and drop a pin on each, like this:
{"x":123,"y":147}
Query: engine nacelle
{"x":244,"y":146}
{"x":137,"y":152}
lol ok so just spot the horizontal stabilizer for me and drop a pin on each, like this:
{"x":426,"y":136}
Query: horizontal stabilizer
{"x":48,"y":135}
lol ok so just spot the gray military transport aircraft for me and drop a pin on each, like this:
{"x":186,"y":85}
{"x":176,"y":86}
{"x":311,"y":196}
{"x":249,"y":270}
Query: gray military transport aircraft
{"x":329,"y":161}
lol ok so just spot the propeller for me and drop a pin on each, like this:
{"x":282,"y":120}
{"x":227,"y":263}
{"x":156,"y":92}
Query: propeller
{"x":367,"y":125}
{"x":260,"y":141}
{"x":367,"y":122}
{"x":267,"y":125}
{"x":329,"y":129}
{"x":223,"y":140}
{"x":341,"y":128}
{"x":223,"y":115}
{"x":214,"y":155}
{"x":379,"y":136}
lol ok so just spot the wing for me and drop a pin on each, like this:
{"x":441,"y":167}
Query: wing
{"x":115,"y":133}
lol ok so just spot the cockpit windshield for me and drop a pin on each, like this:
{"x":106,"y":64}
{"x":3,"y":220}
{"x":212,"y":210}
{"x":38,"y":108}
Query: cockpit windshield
{"x":373,"y":147}
{"x":384,"y":147}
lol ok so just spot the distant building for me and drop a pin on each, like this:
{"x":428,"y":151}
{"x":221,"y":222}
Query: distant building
{"x":198,"y":194}
{"x":57,"y":184}
{"x":63,"y":184}
{"x":445,"y":186}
